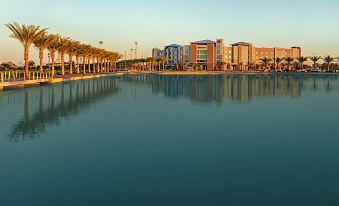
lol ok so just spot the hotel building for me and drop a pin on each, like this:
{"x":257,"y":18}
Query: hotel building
{"x":156,"y":52}
{"x":173,"y":54}
{"x":215,"y":55}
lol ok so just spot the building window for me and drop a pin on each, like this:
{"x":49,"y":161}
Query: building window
{"x":202,"y":56}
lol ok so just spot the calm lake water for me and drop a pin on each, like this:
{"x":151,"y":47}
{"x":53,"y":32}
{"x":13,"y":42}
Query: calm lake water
{"x":173,"y":141}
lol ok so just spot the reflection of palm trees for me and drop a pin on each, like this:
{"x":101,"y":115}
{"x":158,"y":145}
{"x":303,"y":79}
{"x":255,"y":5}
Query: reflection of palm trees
{"x":328,"y":87}
{"x":314,"y":84}
{"x":36,"y":124}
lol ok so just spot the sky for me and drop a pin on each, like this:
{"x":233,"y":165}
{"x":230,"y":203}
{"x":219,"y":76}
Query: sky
{"x":312,"y":25}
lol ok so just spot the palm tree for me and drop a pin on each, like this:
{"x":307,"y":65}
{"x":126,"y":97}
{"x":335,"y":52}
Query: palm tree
{"x":62,"y":49}
{"x":26,"y":35}
{"x":328,"y":60}
{"x":82,"y":52}
{"x":315,"y":59}
{"x":278,"y":61}
{"x":52,"y":49}
{"x":266,"y":62}
{"x":42,"y":42}
{"x":302,"y":60}
{"x":152,"y":61}
{"x":71,"y":49}
{"x":289,"y":61}
{"x":78,"y":53}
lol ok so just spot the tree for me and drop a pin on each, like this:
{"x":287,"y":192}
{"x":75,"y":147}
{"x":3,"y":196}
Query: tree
{"x":62,"y":49}
{"x":289,"y":61}
{"x":26,"y":35}
{"x":42,"y":42}
{"x":302,"y":60}
{"x":52,"y":49}
{"x":71,"y":48}
{"x":266,"y":62}
{"x":315,"y":59}
{"x":85,"y":51}
{"x":328,"y":61}
{"x":31,"y":63}
{"x":77,"y":53}
{"x":278,"y":61}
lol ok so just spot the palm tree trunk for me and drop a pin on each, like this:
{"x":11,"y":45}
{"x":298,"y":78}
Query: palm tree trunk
{"x":89,"y":64}
{"x":70,"y":63}
{"x":98,"y":65}
{"x":53,"y":62}
{"x":26,"y":58}
{"x":94,"y":66}
{"x":62,"y":63}
{"x":41,"y":58}
{"x":84,"y":64}
{"x":102,"y":66}
{"x":77,"y":62}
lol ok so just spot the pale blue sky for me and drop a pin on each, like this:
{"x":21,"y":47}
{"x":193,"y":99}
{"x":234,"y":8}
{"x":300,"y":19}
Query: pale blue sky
{"x":156,"y":23}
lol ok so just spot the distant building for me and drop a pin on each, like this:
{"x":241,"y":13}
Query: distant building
{"x":174,"y":54}
{"x":245,"y":53}
{"x":215,"y":55}
{"x":9,"y":64}
{"x":156,"y":52}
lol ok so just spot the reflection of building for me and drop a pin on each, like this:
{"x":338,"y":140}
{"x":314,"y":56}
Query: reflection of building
{"x":233,"y":87}
{"x":215,"y":55}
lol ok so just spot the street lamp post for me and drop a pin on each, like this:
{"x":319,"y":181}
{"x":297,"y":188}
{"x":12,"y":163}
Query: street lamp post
{"x":136,"y":50}
{"x":131,"y":53}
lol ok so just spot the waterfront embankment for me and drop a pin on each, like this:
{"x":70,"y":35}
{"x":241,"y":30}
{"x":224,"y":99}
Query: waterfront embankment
{"x":21,"y":83}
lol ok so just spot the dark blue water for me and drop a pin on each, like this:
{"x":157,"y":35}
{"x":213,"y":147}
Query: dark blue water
{"x":172,"y":140}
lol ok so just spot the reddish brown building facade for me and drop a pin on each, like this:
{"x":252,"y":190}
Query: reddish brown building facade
{"x":215,"y":55}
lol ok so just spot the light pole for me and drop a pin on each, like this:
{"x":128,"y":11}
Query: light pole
{"x":136,"y":50}
{"x":132,"y":53}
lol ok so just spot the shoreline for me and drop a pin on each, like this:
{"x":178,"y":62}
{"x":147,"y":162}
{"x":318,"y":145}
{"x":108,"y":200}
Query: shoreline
{"x":219,"y":72}
{"x":60,"y":79}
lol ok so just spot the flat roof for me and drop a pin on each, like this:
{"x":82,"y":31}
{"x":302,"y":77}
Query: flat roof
{"x":173,"y":45}
{"x":204,"y":42}
{"x":242,"y":44}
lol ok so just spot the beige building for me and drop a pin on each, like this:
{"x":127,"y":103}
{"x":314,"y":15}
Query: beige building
{"x":242,"y":54}
{"x":215,"y":55}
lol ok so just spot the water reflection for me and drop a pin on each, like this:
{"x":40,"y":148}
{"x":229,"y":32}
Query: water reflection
{"x":240,"y":88}
{"x":47,"y":106}
{"x":63,"y":101}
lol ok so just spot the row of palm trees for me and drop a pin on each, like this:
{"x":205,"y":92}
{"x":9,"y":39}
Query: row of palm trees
{"x":143,"y":64}
{"x":100,"y":59}
{"x":328,"y":60}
